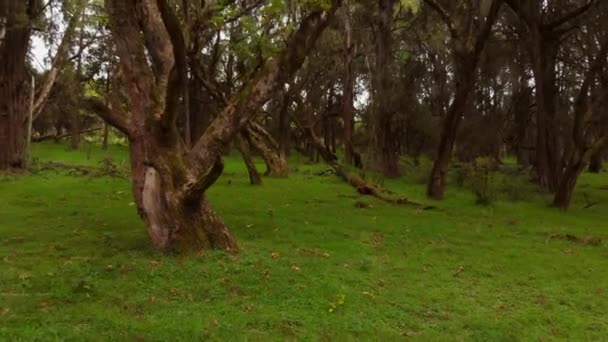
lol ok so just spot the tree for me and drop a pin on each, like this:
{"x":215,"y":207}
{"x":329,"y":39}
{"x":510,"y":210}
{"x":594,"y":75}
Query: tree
{"x":546,"y":24}
{"x":16,"y":26}
{"x":170,"y":180}
{"x":468,"y":36}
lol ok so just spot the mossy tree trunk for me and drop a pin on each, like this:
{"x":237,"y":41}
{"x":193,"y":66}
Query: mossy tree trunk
{"x":170,"y":180}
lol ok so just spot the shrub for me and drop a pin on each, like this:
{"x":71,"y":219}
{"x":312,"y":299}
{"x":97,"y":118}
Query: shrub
{"x":515,"y":186}
{"x":483,"y":182}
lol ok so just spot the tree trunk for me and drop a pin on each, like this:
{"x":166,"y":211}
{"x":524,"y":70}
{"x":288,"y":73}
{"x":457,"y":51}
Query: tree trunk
{"x":595,"y":164}
{"x":242,"y":146}
{"x":104,"y":143}
{"x":267,"y":147}
{"x":567,"y":184}
{"x":467,"y":46}
{"x":544,"y":55}
{"x":386,"y":151}
{"x":180,"y":227}
{"x":14,"y":85}
{"x":30,"y":121}
{"x":283,"y":126}
{"x":348,"y":84}
{"x":75,"y":129}
{"x":464,"y":83}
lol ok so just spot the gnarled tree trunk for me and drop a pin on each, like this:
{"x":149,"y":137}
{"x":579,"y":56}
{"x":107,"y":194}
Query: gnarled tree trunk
{"x":169,"y":183}
{"x":243,"y":146}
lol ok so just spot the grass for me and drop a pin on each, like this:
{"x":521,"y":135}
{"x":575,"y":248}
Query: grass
{"x":76,"y":263}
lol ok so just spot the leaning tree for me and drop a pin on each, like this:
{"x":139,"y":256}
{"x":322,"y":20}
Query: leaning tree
{"x":169,"y":179}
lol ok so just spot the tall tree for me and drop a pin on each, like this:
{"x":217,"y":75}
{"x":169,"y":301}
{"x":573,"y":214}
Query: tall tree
{"x":470,"y":25}
{"x":546,"y":23}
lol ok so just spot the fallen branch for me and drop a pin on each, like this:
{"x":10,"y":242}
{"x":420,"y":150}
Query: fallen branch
{"x":586,"y":240}
{"x":356,"y":181}
{"x":51,"y":136}
{"x":106,"y":168}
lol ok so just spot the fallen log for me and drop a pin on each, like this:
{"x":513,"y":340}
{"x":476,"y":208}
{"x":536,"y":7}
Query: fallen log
{"x":361,"y":185}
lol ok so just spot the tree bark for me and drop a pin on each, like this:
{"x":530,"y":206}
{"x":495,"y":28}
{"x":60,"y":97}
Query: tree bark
{"x":265,"y":145}
{"x":242,"y":146}
{"x":14,"y":84}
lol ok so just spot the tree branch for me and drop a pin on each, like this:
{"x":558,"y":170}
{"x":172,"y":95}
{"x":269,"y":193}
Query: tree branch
{"x":179,"y":74}
{"x":157,"y":40}
{"x":58,"y":62}
{"x":444,"y":16}
{"x":484,"y":34}
{"x":110,"y":116}
{"x":244,"y":105}
{"x":570,"y":16}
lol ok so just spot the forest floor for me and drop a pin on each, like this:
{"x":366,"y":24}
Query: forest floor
{"x":76,"y":264}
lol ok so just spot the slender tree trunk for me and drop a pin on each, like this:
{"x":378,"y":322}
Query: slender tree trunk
{"x":60,"y":58}
{"x":242,"y":146}
{"x":283,"y":126}
{"x":104,"y":143}
{"x":75,"y":115}
{"x":465,"y":73}
{"x":30,"y":121}
{"x":268,"y":149}
{"x":348,"y":83}
{"x":467,"y":46}
{"x":106,"y":128}
{"x":386,"y":148}
{"x":567,"y":184}
{"x":547,"y":160}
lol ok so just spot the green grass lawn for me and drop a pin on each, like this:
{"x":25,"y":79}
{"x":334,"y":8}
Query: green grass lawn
{"x":76,"y":263}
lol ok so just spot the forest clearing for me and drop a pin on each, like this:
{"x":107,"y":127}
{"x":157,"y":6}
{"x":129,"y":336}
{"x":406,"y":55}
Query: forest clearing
{"x":332,"y":170}
{"x":313,"y":263}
